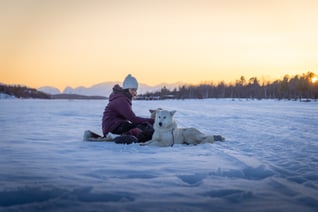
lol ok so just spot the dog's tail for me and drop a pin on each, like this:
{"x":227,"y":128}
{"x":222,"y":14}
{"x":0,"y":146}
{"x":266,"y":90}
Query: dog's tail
{"x":208,"y":139}
{"x":211,"y":139}
{"x":218,"y":138}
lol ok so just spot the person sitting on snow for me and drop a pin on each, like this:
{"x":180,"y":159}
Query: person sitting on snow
{"x":118,"y":117}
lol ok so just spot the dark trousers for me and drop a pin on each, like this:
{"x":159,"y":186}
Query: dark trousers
{"x":124,"y":127}
{"x":143,"y":132}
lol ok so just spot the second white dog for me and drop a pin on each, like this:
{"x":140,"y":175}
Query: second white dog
{"x":167,"y":133}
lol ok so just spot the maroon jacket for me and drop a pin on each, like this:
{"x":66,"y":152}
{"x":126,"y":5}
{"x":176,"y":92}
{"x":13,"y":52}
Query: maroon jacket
{"x":119,"y":110}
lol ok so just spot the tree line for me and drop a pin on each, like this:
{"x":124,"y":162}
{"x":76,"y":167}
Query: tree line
{"x":298,"y":87}
{"x":23,"y":92}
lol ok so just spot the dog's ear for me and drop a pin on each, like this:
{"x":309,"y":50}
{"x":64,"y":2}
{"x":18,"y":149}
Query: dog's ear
{"x":172,"y":112}
{"x":153,"y":113}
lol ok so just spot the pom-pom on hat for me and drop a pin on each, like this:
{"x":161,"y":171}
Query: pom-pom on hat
{"x":130,"y":82}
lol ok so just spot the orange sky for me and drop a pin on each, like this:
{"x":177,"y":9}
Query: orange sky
{"x":72,"y":43}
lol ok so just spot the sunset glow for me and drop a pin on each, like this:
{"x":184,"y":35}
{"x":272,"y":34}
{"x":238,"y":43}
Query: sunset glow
{"x":81,"y":43}
{"x":314,"y":79}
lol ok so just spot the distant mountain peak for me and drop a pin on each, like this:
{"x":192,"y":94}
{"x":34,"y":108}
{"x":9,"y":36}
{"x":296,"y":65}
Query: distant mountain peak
{"x":105,"y":88}
{"x":49,"y":90}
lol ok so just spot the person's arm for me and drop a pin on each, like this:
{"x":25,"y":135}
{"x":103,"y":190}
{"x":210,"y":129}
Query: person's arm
{"x":126,"y":111}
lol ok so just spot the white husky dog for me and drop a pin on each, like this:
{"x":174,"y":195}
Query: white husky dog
{"x":167,"y":133}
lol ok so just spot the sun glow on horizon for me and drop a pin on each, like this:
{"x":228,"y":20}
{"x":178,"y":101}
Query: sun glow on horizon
{"x":314,"y":79}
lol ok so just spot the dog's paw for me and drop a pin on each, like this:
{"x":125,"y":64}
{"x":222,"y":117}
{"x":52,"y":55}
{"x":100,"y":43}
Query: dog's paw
{"x":146,"y":143}
{"x":218,"y":138}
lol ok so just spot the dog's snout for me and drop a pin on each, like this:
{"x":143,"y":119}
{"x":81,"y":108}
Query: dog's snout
{"x":160,"y":124}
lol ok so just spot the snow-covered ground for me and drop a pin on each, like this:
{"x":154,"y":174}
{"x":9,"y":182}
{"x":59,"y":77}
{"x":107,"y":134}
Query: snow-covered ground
{"x":269,"y":161}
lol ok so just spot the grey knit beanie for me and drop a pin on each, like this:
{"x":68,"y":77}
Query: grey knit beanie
{"x":130,"y":82}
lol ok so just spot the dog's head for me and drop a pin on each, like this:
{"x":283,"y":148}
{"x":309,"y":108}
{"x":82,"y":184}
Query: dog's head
{"x":153,"y":112}
{"x":164,"y":119}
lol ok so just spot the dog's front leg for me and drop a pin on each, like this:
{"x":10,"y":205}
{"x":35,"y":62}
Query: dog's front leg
{"x":147,"y":143}
{"x":154,"y":143}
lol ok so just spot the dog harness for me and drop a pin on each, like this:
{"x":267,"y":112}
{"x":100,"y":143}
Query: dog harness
{"x":172,"y":137}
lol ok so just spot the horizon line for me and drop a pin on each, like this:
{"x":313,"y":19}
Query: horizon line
{"x":262,"y":78}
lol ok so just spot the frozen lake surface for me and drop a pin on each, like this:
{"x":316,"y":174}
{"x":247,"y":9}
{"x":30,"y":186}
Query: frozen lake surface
{"x":268,"y":162}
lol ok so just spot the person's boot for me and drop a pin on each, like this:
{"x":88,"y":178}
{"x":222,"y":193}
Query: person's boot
{"x":125,"y":139}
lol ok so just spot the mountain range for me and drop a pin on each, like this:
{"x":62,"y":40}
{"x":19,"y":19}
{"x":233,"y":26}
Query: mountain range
{"x":105,"y":89}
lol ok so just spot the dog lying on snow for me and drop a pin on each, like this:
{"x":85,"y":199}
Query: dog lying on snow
{"x":167,"y":133}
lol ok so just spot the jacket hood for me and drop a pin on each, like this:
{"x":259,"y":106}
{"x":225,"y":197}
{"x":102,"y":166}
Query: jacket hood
{"x":119,"y":92}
